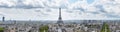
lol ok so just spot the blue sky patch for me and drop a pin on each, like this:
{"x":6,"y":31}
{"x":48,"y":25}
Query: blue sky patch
{"x":90,"y":1}
{"x":72,"y":1}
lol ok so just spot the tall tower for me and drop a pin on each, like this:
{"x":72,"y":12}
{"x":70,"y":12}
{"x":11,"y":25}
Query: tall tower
{"x":60,"y":17}
{"x":3,"y":18}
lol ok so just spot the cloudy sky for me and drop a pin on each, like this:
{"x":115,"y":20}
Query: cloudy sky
{"x":71,"y":9}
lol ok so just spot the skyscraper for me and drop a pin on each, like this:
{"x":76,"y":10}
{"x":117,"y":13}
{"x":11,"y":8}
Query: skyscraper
{"x":60,"y":17}
{"x":3,"y":18}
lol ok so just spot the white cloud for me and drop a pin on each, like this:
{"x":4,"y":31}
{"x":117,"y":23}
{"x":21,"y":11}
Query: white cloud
{"x":76,"y":10}
{"x":78,"y":4}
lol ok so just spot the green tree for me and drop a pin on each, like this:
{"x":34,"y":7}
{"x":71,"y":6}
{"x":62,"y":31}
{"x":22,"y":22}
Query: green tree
{"x":1,"y":29}
{"x":105,"y":28}
{"x":44,"y":29}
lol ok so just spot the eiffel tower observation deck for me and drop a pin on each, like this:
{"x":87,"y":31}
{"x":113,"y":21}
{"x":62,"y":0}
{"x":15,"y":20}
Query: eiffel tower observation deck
{"x":60,"y":21}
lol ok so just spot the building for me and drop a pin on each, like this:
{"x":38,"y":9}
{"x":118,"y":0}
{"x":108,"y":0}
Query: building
{"x":3,"y":18}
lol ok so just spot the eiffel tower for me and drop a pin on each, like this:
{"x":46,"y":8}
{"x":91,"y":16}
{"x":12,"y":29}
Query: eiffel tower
{"x":60,"y":21}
